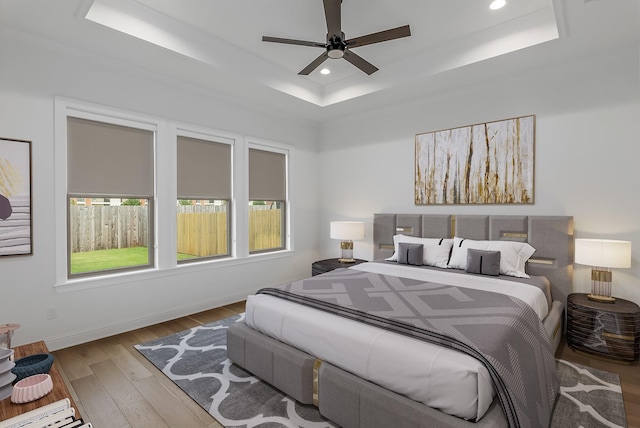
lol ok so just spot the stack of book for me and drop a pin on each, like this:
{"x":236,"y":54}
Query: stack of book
{"x":55,"y":415}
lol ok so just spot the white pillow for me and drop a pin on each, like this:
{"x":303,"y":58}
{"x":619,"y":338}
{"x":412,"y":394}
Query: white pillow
{"x":513,"y":255}
{"x":435,"y":250}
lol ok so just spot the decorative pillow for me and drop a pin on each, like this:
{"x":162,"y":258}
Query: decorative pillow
{"x":410,"y":254}
{"x":435,"y":250}
{"x":483,"y":262}
{"x":513,"y":255}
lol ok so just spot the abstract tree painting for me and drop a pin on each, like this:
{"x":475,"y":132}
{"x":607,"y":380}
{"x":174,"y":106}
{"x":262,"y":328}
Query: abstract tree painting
{"x":487,"y":163}
{"x":15,"y":197}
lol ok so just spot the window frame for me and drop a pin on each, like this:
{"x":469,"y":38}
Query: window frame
{"x":286,"y":150}
{"x":65,"y":108}
{"x":220,"y":137}
{"x":164,"y":199}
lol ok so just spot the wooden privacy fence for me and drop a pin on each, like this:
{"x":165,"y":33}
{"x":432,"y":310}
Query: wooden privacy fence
{"x":202,"y":230}
{"x":106,"y":227}
{"x":202,"y":234}
{"x":265,"y":229}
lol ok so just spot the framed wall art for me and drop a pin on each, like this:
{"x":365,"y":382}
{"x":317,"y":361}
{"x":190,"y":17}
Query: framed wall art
{"x":15,"y":197}
{"x":487,"y":163}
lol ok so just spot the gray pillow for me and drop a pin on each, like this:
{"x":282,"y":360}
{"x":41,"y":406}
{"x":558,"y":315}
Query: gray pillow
{"x":410,"y":254}
{"x":483,"y":262}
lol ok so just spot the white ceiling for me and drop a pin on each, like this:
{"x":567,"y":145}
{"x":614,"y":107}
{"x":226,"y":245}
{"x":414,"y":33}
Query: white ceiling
{"x":216,"y":44}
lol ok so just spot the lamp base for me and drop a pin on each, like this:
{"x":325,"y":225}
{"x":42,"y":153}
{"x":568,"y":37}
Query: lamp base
{"x":347,"y":252}
{"x":601,"y":285}
{"x":601,"y":299}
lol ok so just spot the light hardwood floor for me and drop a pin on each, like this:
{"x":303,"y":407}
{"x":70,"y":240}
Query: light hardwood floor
{"x":116,"y":387}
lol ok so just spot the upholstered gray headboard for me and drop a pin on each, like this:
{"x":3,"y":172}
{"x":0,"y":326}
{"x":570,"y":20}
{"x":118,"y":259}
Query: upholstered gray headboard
{"x":551,"y":236}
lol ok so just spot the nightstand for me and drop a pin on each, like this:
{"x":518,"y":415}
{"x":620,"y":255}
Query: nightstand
{"x":610,"y":330}
{"x":328,"y":265}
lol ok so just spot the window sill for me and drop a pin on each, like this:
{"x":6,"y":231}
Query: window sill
{"x":107,"y":280}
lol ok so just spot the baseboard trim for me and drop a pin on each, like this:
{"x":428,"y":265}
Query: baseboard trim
{"x":88,"y":335}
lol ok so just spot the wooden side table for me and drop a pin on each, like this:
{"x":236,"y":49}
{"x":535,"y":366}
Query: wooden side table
{"x":323,"y":266}
{"x":610,"y":330}
{"x":9,"y":410}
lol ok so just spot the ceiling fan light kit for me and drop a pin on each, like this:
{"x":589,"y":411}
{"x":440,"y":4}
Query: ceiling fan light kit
{"x":337,"y":46}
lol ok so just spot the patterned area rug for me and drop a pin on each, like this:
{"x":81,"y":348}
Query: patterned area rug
{"x":196,"y":360}
{"x":588,"y":398}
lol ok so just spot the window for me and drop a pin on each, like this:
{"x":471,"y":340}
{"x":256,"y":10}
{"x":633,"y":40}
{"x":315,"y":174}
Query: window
{"x":267,"y":200}
{"x":110,"y":194}
{"x":134,"y":205}
{"x":204,"y":195}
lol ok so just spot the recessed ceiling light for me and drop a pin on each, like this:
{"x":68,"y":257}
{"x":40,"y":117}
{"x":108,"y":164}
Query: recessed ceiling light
{"x":497,"y":4}
{"x":325,"y":71}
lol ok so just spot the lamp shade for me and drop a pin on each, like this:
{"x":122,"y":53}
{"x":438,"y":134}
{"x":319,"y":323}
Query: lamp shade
{"x":347,"y":230}
{"x":603,"y":253}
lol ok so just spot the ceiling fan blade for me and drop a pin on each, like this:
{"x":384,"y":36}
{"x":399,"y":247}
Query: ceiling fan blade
{"x":333,"y":16}
{"x":382,"y":36}
{"x":293,"y":42}
{"x":314,"y":64}
{"x":359,"y":62}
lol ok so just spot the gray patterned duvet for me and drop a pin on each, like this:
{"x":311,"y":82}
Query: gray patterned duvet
{"x":500,"y":331}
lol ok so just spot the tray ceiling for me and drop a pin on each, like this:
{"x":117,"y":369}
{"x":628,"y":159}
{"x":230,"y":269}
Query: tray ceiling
{"x":217,"y":44}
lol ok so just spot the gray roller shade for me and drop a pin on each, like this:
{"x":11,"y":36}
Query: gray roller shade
{"x":106,"y":159}
{"x":204,"y":169}
{"x":267,"y":176}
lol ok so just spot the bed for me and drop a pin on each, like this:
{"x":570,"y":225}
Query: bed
{"x":457,"y":390}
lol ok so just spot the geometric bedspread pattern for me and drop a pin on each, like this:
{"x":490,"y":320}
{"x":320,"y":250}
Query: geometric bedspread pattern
{"x":196,"y":361}
{"x":500,"y":331}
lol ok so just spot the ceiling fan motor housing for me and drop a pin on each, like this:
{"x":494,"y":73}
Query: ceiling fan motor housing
{"x":335,"y":46}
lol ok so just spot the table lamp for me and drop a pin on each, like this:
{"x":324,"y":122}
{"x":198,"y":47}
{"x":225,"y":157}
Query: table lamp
{"x":602,"y":255}
{"x":347,"y":232}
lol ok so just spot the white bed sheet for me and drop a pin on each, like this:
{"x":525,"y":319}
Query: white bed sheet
{"x":441,"y":378}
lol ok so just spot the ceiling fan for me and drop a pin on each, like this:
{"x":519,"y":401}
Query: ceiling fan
{"x":336,"y":45}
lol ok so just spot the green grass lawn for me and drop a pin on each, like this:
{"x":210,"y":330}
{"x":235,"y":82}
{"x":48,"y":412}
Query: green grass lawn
{"x":92,"y":261}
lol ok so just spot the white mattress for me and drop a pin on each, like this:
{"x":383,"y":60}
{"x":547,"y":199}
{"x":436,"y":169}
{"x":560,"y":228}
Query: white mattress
{"x":444,"y":379}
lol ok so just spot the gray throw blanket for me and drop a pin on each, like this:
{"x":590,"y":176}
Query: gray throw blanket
{"x":502,"y":332}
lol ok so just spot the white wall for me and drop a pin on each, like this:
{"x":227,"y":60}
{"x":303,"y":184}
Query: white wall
{"x":32,"y":73}
{"x":350,"y":168}
{"x":586,"y":154}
